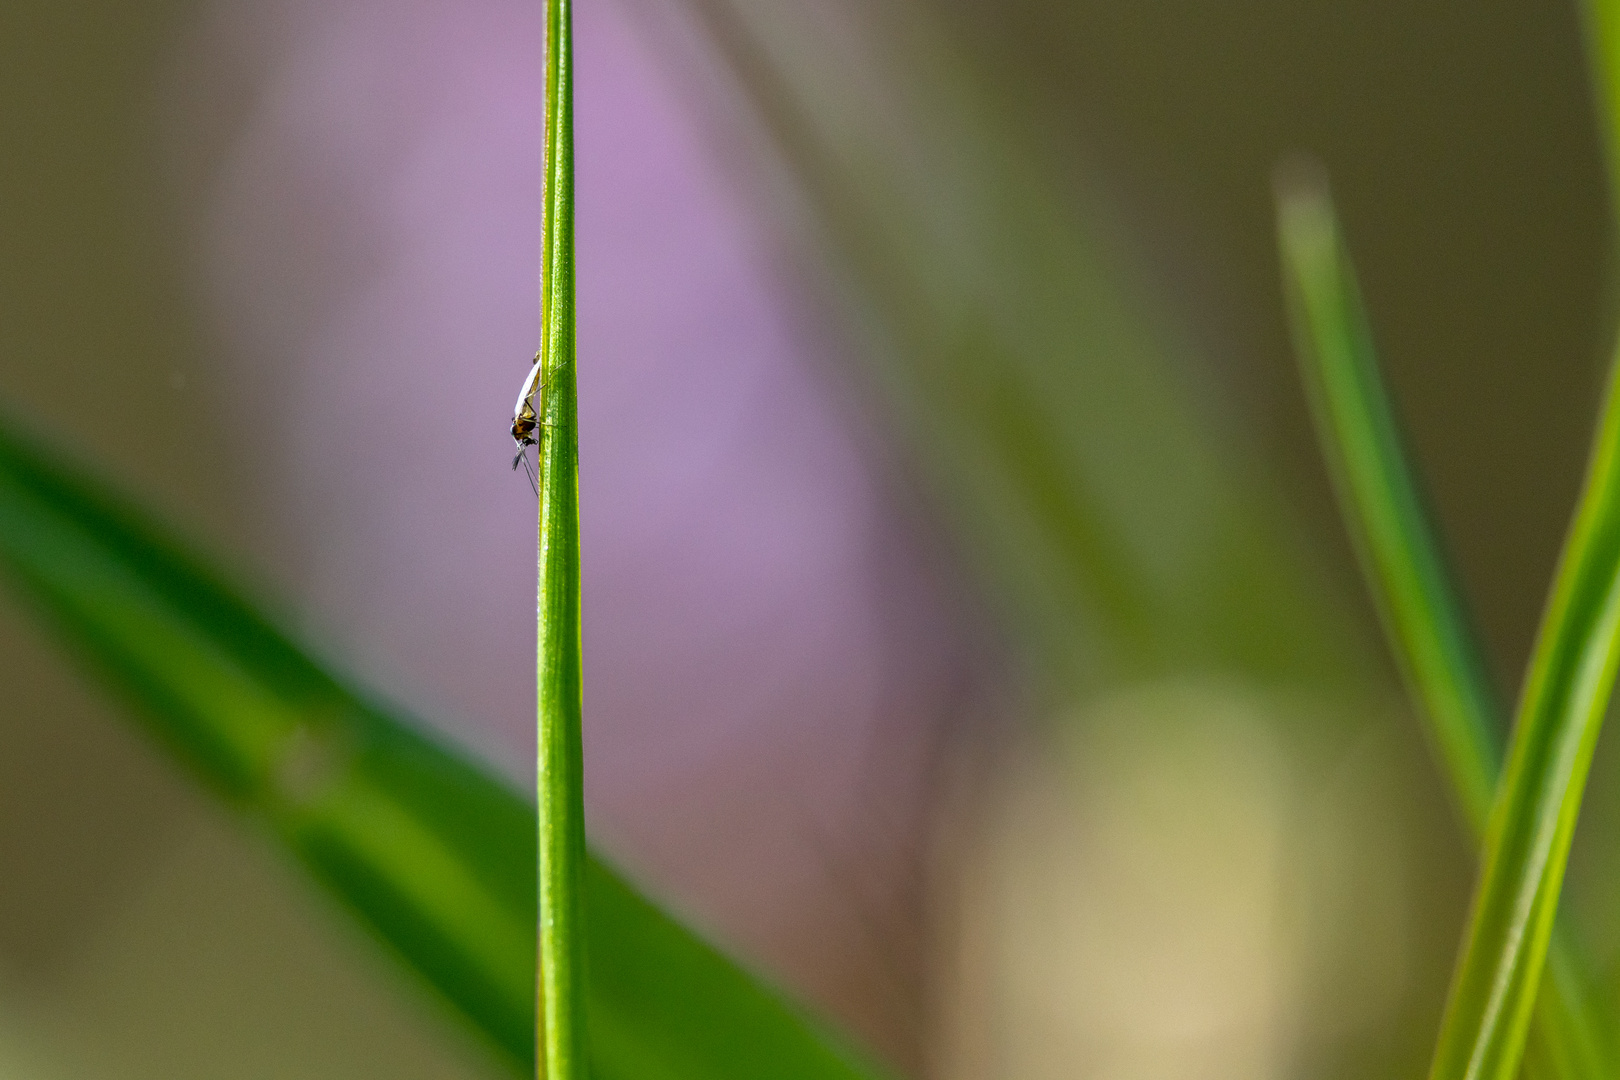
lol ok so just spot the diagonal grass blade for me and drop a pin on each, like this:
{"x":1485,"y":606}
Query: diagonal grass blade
{"x":1527,"y":843}
{"x":1421,"y":609}
{"x":430,"y":853}
{"x":1601,"y":20}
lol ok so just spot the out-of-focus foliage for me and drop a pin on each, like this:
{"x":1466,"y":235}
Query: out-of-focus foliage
{"x":1603,"y":45}
{"x":1072,"y":451}
{"x":433,"y":855}
{"x":1429,"y":630}
{"x":1057,"y":418}
{"x":1073,"y":440}
{"x":1421,"y":609}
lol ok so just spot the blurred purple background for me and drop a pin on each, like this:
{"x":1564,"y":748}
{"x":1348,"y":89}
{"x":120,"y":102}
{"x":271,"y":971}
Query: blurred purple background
{"x":768,"y":661}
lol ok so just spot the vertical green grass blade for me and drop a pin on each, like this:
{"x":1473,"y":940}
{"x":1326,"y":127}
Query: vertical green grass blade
{"x":429,"y":852}
{"x":1423,"y":616}
{"x":1527,"y":844}
{"x":561,"y":778}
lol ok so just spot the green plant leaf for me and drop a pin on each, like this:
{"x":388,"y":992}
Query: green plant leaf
{"x":1527,"y":844}
{"x":564,"y":1037}
{"x":428,"y":851}
{"x":1422,"y":613}
{"x":1602,"y":26}
{"x":1421,"y":610}
{"x":1565,"y":697}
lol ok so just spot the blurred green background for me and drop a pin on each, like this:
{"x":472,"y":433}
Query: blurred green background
{"x":128,"y":899}
{"x":1465,"y":165}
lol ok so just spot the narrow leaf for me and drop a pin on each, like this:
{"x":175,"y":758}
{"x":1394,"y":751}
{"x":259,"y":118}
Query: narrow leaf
{"x":1602,"y":25}
{"x":561,"y":775}
{"x":1566,"y":694}
{"x":1423,"y":616}
{"x":428,"y":851}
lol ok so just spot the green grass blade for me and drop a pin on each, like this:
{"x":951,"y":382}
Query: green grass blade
{"x":1423,"y":616}
{"x":1527,"y":845}
{"x":1429,"y":632}
{"x":429,"y":852}
{"x":561,"y":773}
{"x":1602,"y":25}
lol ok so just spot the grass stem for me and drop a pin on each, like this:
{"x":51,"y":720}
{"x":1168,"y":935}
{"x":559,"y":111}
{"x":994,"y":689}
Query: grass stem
{"x":1422,"y":612}
{"x":564,"y":1045}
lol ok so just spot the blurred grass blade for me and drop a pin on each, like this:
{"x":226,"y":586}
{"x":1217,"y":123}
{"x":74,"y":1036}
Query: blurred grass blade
{"x":1566,"y":694}
{"x":1421,"y":611}
{"x":428,"y":851}
{"x":560,"y":770}
{"x":1429,"y":632}
{"x":1602,"y":26}
{"x":1052,"y":411}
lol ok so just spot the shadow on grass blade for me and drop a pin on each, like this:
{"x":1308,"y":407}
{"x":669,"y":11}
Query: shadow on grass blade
{"x":428,"y":851}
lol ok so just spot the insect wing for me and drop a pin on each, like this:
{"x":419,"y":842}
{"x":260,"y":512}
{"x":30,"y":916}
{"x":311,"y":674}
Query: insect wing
{"x":532,"y":385}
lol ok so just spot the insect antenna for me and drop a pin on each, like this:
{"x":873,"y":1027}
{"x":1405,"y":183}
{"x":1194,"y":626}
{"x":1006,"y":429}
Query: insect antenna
{"x":528,"y":470}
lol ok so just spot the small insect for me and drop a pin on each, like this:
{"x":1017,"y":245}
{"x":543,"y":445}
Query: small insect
{"x":526,"y":421}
